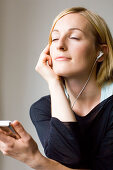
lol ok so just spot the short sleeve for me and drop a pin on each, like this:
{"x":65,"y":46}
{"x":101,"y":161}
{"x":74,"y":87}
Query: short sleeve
{"x":63,"y":144}
{"x":40,"y":114}
{"x":59,"y":141}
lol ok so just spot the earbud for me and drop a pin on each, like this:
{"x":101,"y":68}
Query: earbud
{"x":101,"y":53}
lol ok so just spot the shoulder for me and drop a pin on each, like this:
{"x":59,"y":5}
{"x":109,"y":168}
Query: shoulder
{"x":108,"y":104}
{"x":104,"y":112}
{"x":43,"y":101}
{"x":41,"y":109}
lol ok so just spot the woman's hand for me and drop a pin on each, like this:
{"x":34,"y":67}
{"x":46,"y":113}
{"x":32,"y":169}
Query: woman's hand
{"x":20,"y":146}
{"x":44,"y":66}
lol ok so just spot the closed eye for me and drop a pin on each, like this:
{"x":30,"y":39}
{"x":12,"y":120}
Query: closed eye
{"x":74,"y":38}
{"x":55,"y":39}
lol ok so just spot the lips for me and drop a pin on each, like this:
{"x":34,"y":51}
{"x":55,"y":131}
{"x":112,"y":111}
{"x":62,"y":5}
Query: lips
{"x":62,"y":58}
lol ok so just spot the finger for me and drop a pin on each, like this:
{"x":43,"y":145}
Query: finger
{"x":45,"y":61}
{"x":13,"y":132}
{"x":6,"y":129}
{"x":8,"y":132}
{"x":19,"y":129}
{"x":4,"y":138}
{"x":47,"y":49}
{"x":47,"y":58}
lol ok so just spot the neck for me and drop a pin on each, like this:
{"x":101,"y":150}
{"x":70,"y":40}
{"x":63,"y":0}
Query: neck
{"x":89,"y":97}
{"x":74,"y":85}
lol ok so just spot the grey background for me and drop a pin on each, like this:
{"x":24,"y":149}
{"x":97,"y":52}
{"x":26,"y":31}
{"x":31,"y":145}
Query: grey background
{"x":24,"y":30}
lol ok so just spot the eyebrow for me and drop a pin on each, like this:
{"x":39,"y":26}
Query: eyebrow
{"x":70,"y":29}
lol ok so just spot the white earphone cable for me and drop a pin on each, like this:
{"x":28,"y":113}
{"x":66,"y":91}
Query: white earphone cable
{"x":82,"y":88}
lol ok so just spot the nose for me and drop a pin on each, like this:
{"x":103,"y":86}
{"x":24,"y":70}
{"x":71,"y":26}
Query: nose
{"x":61,"y":44}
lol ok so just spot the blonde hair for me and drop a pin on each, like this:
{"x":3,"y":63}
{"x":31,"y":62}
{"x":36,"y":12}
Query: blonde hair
{"x":102,"y":35}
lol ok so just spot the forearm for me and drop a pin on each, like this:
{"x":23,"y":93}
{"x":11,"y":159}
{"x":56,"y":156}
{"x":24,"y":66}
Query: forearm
{"x":43,"y":163}
{"x":60,"y":105}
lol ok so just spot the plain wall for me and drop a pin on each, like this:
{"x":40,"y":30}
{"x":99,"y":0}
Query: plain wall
{"x":24,"y":29}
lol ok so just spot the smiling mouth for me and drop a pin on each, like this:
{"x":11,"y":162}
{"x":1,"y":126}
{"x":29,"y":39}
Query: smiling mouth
{"x":62,"y":58}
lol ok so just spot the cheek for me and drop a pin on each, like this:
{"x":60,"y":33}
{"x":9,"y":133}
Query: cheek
{"x":83,"y":49}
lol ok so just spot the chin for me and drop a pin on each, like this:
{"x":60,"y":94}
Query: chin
{"x":62,"y":73}
{"x":65,"y":73}
{"x":61,"y":70}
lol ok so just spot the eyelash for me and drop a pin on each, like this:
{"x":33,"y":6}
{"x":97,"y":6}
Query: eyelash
{"x":74,"y":38}
{"x":54,"y":39}
{"x":70,"y":38}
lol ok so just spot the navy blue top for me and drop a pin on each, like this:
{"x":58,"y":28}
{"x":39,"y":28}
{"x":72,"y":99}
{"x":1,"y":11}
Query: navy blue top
{"x":87,"y":143}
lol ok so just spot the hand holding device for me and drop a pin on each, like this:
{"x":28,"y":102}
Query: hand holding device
{"x":23,"y":148}
{"x":7,"y":128}
{"x":5,"y":123}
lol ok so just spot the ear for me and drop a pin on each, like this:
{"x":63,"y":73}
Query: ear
{"x":104,"y":49}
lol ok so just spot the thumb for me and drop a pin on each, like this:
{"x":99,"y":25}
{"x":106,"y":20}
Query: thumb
{"x":19,"y":129}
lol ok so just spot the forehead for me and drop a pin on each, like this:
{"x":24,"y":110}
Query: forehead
{"x":72,"y":20}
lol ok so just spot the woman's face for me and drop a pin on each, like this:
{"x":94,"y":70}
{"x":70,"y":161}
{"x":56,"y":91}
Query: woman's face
{"x":73,"y":46}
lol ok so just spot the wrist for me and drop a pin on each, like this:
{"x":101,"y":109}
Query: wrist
{"x":35,"y":161}
{"x":54,"y":83}
{"x":41,"y":163}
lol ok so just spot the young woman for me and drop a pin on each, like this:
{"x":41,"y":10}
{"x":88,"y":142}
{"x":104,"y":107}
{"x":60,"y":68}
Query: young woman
{"x":74,"y":122}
